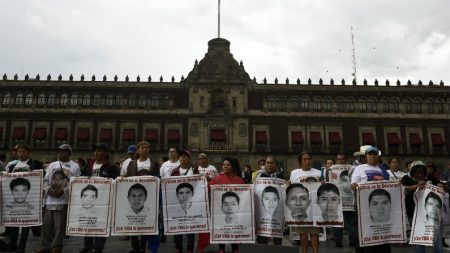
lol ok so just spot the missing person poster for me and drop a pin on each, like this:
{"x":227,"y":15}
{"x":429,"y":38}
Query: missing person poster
{"x":300,"y":198}
{"x":427,"y":215}
{"x":21,"y":199}
{"x":135,"y":206}
{"x":89,"y":206}
{"x":269,"y":207}
{"x":327,"y":207}
{"x":339,"y":175}
{"x":381,"y":209}
{"x":232,"y":211}
{"x":185,"y":204}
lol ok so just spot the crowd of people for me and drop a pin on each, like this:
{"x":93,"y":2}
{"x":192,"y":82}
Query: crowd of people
{"x":367,"y":166}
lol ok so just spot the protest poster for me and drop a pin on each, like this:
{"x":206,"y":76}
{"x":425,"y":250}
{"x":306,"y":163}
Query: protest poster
{"x":300,"y":197}
{"x":295,"y":236}
{"x":232,"y":214}
{"x":381,"y":209}
{"x":185,"y":204}
{"x":339,"y":175}
{"x":21,"y":199}
{"x":327,"y":206}
{"x":135,"y":206}
{"x":269,"y":206}
{"x":427,"y":215}
{"x":89,"y":208}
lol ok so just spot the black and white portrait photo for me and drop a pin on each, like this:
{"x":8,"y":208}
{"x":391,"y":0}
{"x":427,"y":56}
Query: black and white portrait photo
{"x":381,"y":209}
{"x":339,"y":175}
{"x":300,"y":198}
{"x":136,"y":203}
{"x":232,"y":212}
{"x":21,"y":198}
{"x":185,"y":204}
{"x":328,"y":207}
{"x":269,"y":207}
{"x":89,"y":206}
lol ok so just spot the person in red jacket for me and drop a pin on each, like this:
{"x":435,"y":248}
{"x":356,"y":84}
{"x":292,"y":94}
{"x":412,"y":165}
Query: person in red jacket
{"x":231,"y":174}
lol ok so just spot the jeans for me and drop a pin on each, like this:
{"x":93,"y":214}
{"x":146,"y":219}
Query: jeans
{"x":350,"y":224}
{"x":437,"y":245}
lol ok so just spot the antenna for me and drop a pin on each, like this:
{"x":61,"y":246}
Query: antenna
{"x":353,"y":55}
{"x":218,"y":20}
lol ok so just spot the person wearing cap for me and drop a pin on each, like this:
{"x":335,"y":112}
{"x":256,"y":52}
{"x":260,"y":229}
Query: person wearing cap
{"x":205,"y":168}
{"x":132,"y":155}
{"x":56,"y":196}
{"x":370,"y":171}
{"x":23,"y":163}
{"x":99,"y":167}
{"x":184,"y":169}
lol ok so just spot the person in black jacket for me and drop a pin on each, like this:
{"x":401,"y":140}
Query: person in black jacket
{"x":99,"y":167}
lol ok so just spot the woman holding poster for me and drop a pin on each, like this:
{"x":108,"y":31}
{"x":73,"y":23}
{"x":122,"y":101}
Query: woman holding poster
{"x":231,"y":174}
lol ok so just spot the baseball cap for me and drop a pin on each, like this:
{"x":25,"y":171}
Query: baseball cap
{"x":186,"y":152}
{"x":64,"y":147}
{"x":132,"y":149}
{"x":101,"y":146}
{"x":372,"y":149}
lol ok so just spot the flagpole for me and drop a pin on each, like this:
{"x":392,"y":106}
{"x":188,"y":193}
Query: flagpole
{"x":218,"y":21}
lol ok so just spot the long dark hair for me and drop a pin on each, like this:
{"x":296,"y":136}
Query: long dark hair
{"x":235,"y":165}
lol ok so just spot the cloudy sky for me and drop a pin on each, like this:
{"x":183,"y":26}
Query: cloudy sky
{"x":401,"y":39}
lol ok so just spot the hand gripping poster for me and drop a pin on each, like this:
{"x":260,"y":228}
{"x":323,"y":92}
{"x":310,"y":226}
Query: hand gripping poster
{"x":327,"y":207}
{"x":381,"y":209}
{"x":300,"y":198}
{"x":135,"y":206}
{"x":21,"y":199}
{"x":338,"y":175}
{"x":185,"y":204}
{"x":232,"y":212}
{"x":269,"y":207}
{"x":427,"y":215}
{"x":90,"y":204}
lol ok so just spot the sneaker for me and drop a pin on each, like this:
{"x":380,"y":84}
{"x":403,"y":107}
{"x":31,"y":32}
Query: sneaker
{"x":338,"y":244}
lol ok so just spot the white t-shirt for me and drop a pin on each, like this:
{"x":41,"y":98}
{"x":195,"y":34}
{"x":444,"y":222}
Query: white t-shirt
{"x":167,"y":167}
{"x":124,"y":166}
{"x":183,"y":171}
{"x":70,"y":169}
{"x":299,"y":175}
{"x":96,"y":169}
{"x":144,"y":165}
{"x":211,"y":170}
{"x":398,"y":175}
{"x":365,"y":173}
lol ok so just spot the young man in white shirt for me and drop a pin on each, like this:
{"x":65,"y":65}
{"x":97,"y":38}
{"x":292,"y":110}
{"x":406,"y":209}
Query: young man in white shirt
{"x":172,"y":163}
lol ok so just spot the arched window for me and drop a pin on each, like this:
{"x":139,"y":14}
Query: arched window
{"x":438,"y":106}
{"x":74,"y":100}
{"x":97,"y":100}
{"x":6,"y":99}
{"x":293,"y":103}
{"x":340,"y":104}
{"x":304,"y":105}
{"x":408,"y":105}
{"x":19,"y":99}
{"x":154,"y":101}
{"x":362,"y":104}
{"x":86,"y":100}
{"x":166,"y":101}
{"x":429,"y":104}
{"x":349,"y":104}
{"x":141,"y":101}
{"x":316,"y":104}
{"x":132,"y":100}
{"x":41,"y":99}
{"x":109,"y":100}
{"x":271,"y":102}
{"x":326,"y":104}
{"x":51,"y":99}
{"x":394,"y":105}
{"x":63,"y":101}
{"x":417,"y":105}
{"x":281,"y":102}
{"x":120,"y":100}
{"x":372,"y":105}
{"x":385,"y":104}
